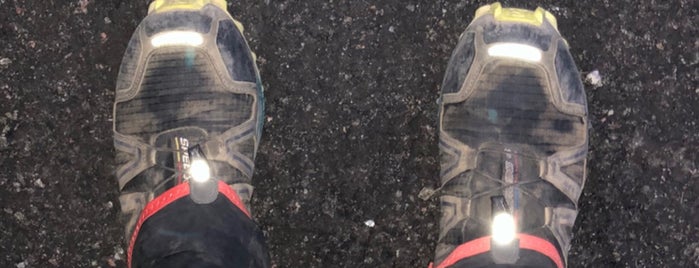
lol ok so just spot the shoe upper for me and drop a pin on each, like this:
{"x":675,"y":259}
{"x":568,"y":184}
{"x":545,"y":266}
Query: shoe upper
{"x":513,"y":135}
{"x":187,"y":75}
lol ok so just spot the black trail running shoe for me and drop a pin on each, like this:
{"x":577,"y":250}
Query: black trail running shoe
{"x":513,"y":143}
{"x":188,"y":109}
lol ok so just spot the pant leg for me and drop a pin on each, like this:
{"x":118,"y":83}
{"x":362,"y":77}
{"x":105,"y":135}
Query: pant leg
{"x":528,"y":259}
{"x":182,"y":233}
{"x":525,"y":252}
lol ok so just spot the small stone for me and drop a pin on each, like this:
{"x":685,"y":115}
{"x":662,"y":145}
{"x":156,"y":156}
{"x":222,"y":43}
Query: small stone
{"x":20,"y":178}
{"x":119,"y":253}
{"x":83,"y":6}
{"x":39,"y":183}
{"x":111,"y":262}
{"x":617,"y":256}
{"x":392,"y":29}
{"x":109,"y":204}
{"x":19,"y":216}
{"x":21,"y":265}
{"x":692,"y":251}
{"x":610,"y":112}
{"x":5,"y":61}
{"x":426,"y":193}
{"x":107,"y":20}
{"x":410,"y":7}
{"x":3,"y":141}
{"x":594,"y":78}
{"x":13,"y":115}
{"x":370,"y":223}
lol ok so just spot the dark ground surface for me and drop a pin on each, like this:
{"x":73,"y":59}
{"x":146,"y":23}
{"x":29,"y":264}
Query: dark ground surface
{"x":351,"y":129}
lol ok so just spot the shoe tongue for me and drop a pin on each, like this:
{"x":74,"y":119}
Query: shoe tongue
{"x":166,"y":144}
{"x":508,"y":165}
{"x":192,"y":134}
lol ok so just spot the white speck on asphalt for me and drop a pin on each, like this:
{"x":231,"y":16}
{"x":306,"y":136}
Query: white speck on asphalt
{"x":594,"y":78}
{"x":119,"y":253}
{"x":5,"y":61}
{"x":21,"y":265}
{"x":20,"y":216}
{"x":370,"y":223}
{"x":426,"y":193}
{"x":39,"y":183}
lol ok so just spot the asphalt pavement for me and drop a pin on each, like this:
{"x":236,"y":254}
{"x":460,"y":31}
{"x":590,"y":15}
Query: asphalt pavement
{"x":350,"y":135}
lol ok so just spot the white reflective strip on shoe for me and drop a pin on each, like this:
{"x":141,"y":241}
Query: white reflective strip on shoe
{"x":515,"y":51}
{"x":177,"y":38}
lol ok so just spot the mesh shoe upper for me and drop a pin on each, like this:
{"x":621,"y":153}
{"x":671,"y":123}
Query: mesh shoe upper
{"x":208,"y":93}
{"x":512,"y":129}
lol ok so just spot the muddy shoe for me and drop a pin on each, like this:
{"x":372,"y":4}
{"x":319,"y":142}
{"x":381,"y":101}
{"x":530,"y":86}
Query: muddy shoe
{"x":513,"y":143}
{"x":188,"y":109}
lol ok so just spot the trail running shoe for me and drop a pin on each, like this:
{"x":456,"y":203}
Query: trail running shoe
{"x":513,"y":143}
{"x":188,"y":109}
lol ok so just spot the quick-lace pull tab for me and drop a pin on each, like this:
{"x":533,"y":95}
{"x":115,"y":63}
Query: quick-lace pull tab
{"x":504,"y":243}
{"x":203,"y":187}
